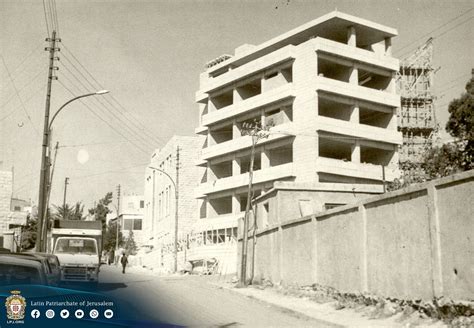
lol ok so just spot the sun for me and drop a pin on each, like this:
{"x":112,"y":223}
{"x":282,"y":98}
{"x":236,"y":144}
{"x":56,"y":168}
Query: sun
{"x":82,"y":156}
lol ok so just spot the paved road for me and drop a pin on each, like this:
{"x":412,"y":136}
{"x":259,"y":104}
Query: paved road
{"x":193,"y":301}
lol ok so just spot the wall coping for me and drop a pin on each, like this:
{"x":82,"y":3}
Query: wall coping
{"x":468,"y":175}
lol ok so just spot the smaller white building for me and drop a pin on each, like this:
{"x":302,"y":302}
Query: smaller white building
{"x":131,"y":213}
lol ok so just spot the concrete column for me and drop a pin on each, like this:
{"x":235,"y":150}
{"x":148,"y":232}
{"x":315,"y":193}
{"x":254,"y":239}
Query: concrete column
{"x":210,"y":105}
{"x":355,"y":152}
{"x":263,"y":84}
{"x":262,"y":117}
{"x":351,"y":36}
{"x":210,"y":174}
{"x":235,"y":166}
{"x":363,"y":266}
{"x":236,"y":96}
{"x":354,"y":77}
{"x":435,"y":241}
{"x":355,"y":115}
{"x":235,"y":204}
{"x":265,"y":159}
{"x":210,"y":139}
{"x":235,"y":130}
{"x":388,"y":46}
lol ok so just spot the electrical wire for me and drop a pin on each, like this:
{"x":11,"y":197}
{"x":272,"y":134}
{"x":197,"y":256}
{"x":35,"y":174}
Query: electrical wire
{"x":26,"y":101}
{"x":128,"y":129}
{"x":21,"y":100}
{"x":46,"y":19}
{"x":55,"y":14}
{"x":135,"y":121}
{"x":430,"y":32}
{"x":103,"y":120}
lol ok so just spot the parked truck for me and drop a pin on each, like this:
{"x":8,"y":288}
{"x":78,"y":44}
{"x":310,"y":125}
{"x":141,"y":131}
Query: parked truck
{"x":78,"y":246}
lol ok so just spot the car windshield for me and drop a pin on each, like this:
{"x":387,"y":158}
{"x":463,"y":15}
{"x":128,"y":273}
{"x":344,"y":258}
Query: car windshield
{"x":76,"y":246}
{"x":12,"y":274}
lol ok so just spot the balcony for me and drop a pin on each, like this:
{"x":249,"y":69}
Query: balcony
{"x":245,"y":142}
{"x":356,"y":170}
{"x":275,"y":58}
{"x":283,"y":93}
{"x":359,"y":131}
{"x":233,"y":182}
{"x":360,"y":55}
{"x":358,"y":92}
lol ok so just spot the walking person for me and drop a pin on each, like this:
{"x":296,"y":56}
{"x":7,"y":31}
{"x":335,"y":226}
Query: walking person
{"x":124,"y":261}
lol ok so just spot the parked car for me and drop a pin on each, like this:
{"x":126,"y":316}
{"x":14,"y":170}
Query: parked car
{"x":50,"y":276}
{"x":206,"y":266}
{"x":16,"y":270}
{"x":53,"y":261}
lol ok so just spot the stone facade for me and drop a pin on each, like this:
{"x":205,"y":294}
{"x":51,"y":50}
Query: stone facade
{"x":178,"y":159}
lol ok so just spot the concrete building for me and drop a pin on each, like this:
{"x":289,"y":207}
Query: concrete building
{"x":327,"y":89}
{"x":13,"y":213}
{"x":178,"y":159}
{"x":131,"y":213}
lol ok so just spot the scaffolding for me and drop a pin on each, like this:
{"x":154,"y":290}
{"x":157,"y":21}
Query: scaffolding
{"x":416,"y":115}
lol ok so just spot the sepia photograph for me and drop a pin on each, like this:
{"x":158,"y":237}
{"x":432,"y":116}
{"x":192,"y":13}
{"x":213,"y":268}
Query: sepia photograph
{"x":237,"y":163}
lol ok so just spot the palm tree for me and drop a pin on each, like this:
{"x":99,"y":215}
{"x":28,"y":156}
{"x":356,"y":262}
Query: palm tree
{"x":68,"y":212}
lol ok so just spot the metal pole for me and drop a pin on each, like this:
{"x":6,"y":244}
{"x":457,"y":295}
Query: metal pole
{"x":176,"y":194}
{"x":243,"y":265}
{"x":43,"y":176}
{"x":176,"y":213}
{"x":64,"y":198}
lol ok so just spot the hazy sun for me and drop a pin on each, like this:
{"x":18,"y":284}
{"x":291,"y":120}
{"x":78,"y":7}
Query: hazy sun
{"x":82,"y":156}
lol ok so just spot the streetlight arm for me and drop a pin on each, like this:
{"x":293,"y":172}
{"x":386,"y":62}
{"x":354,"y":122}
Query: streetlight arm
{"x":169,"y":176}
{"x":70,"y":101}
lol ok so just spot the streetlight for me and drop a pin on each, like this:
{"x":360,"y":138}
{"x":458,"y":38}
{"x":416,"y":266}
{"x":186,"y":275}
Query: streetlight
{"x":44,"y":177}
{"x":175,"y":268}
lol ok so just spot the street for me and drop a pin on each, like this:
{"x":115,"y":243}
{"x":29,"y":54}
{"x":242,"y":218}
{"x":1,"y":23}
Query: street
{"x":193,"y":301}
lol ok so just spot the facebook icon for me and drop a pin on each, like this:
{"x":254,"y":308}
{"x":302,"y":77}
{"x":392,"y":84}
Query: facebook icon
{"x":35,"y":314}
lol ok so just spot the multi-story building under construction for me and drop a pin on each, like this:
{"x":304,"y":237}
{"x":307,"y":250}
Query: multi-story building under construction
{"x":328,"y":90}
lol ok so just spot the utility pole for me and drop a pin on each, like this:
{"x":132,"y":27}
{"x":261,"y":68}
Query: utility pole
{"x":257,"y":133}
{"x":42,"y":211}
{"x":176,"y":194}
{"x":48,"y":194}
{"x":118,"y":223}
{"x":66,"y":182}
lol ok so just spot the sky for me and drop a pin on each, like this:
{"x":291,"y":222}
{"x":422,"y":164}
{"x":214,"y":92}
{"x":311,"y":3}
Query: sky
{"x":149,"y":54}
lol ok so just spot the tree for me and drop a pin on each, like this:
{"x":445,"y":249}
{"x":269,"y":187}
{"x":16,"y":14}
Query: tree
{"x":130,"y":244}
{"x":101,"y":210}
{"x":68,"y":212}
{"x":28,"y":235}
{"x":461,"y":124}
{"x":110,"y":237}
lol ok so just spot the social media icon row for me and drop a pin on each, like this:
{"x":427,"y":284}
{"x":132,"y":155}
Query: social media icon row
{"x":79,"y":314}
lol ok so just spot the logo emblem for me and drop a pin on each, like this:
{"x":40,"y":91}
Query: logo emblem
{"x":35,"y":313}
{"x":94,"y":314}
{"x":16,"y":305}
{"x":108,"y":313}
{"x":64,"y":313}
{"x":79,"y":314}
{"x":50,"y":314}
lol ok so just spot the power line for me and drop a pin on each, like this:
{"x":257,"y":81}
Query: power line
{"x":429,"y":33}
{"x":18,"y":95}
{"x":27,"y":100}
{"x":134,"y":120}
{"x":46,"y":19}
{"x":55,"y":14}
{"x":99,"y":117}
{"x":20,"y":89}
{"x":129,"y":130}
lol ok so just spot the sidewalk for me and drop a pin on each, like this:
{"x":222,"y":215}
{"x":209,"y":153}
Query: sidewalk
{"x":345,"y":317}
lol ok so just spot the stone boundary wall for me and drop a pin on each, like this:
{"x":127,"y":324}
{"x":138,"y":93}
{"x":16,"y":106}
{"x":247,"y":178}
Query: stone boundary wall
{"x":414,"y":243}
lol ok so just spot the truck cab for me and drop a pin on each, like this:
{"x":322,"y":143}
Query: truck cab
{"x":78,"y":250}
